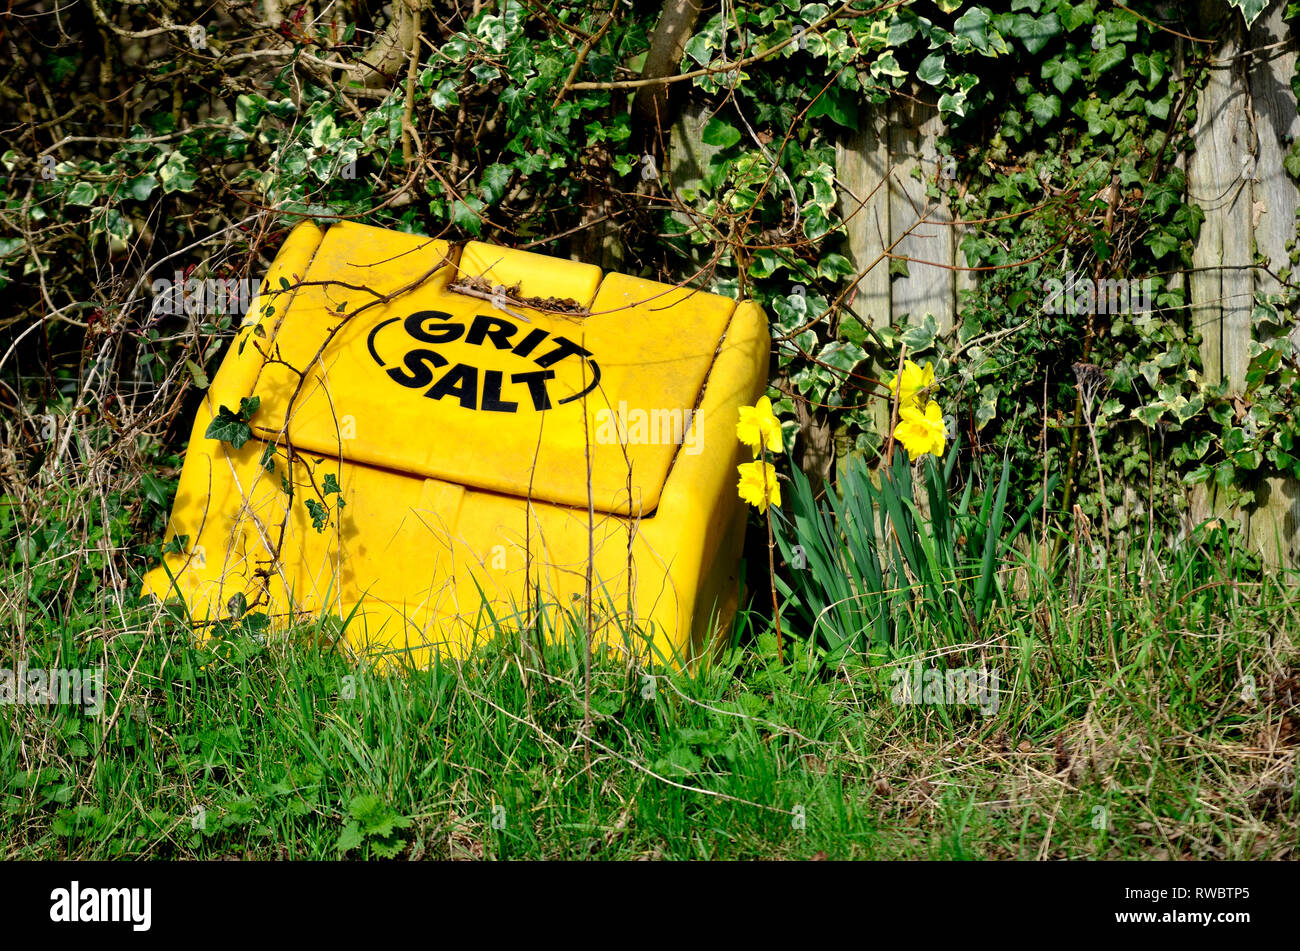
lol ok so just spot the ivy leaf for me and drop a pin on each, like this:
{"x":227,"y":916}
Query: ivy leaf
{"x":953,"y":102}
{"x":141,"y":187}
{"x":445,"y":95}
{"x":842,"y":355}
{"x":720,"y":133}
{"x":229,"y":426}
{"x":1108,"y":58}
{"x":465,"y":214}
{"x":1062,"y":73}
{"x":973,"y":25}
{"x":987,"y":408}
{"x":1159,"y":108}
{"x":1150,"y":67}
{"x":155,"y":490}
{"x":495,"y":179}
{"x":331,"y":486}
{"x":1034,"y":32}
{"x":1044,"y":108}
{"x":1149,"y":414}
{"x":834,"y":267}
{"x":839,"y":105}
{"x":320,"y":515}
{"x":176,"y":174}
{"x":83,"y":193}
{"x":1161,"y":243}
{"x":932,"y":71}
{"x":920,"y":335}
{"x":902,"y":29}
{"x":1250,"y":9}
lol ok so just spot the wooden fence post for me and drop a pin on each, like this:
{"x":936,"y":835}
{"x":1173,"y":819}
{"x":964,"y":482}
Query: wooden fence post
{"x":1274,"y":525}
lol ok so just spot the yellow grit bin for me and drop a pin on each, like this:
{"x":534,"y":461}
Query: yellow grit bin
{"x":447,"y":442}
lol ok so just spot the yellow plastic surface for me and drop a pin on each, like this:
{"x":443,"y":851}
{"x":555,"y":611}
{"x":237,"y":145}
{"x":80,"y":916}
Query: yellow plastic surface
{"x":468,"y":433}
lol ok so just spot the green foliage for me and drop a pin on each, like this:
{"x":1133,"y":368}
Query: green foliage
{"x":232,"y":427}
{"x":282,"y":748}
{"x":373,"y":823}
{"x":866,"y":566}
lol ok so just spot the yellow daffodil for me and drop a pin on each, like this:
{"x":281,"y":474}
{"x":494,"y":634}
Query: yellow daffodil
{"x":759,"y":427}
{"x":914,"y":380}
{"x":921,"y":432}
{"x":758,"y":485}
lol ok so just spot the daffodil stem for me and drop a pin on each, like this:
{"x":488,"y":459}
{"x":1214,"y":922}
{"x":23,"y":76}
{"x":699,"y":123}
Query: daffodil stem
{"x":771,"y":564}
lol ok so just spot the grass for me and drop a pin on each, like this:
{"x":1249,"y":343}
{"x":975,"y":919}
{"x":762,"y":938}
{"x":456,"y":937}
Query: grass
{"x":1135,"y":720}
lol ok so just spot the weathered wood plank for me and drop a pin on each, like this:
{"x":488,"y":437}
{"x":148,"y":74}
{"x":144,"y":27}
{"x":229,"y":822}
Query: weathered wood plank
{"x":862,"y":170}
{"x":922,"y":223}
{"x":688,"y":159}
{"x":1218,"y":180}
{"x":1274,"y":527}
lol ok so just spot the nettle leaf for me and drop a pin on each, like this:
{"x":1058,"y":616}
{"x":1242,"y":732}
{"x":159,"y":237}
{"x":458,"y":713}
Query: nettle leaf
{"x":350,"y":838}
